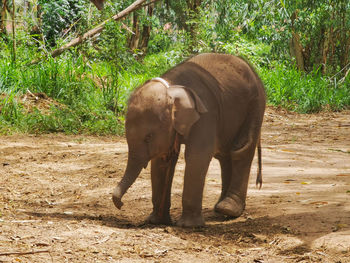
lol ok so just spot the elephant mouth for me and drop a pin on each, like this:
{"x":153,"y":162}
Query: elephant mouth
{"x":175,"y":148}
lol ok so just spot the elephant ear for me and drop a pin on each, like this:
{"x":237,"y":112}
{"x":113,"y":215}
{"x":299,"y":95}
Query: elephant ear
{"x":186,"y":110}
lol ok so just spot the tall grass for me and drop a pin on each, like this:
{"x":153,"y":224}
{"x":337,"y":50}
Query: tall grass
{"x":304,"y":93}
{"x":91,"y":97}
{"x":91,"y":94}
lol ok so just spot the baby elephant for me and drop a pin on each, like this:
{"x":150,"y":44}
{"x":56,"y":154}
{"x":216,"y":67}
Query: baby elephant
{"x":213,"y":104}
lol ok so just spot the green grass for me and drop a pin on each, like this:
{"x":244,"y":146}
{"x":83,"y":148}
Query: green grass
{"x":92,"y":97}
{"x":304,"y":93}
{"x":92,"y":94}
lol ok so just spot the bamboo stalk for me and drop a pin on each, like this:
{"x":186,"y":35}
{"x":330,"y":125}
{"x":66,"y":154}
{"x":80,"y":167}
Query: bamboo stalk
{"x":14,"y":31}
{"x":23,"y":253}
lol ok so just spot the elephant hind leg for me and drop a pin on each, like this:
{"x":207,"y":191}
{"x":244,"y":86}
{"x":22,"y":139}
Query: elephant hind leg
{"x":226,"y":173}
{"x":227,"y":205}
{"x":232,"y":201}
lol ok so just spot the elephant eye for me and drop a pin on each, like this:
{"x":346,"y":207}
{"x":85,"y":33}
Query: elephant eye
{"x":148,"y":137}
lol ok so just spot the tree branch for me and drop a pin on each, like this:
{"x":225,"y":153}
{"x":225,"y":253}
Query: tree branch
{"x":23,"y":253}
{"x":74,"y":42}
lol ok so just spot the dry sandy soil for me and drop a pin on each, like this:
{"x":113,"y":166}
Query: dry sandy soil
{"x":55,"y":201}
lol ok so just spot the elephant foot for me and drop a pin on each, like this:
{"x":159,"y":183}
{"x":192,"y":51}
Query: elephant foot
{"x":190,"y":221}
{"x":158,"y":220}
{"x":231,"y":206}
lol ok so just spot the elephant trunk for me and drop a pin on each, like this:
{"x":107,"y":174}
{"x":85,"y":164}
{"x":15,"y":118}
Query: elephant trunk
{"x":132,"y":171}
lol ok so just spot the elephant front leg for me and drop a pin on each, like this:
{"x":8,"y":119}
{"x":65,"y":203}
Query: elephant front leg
{"x":195,"y":172}
{"x":162,"y":173}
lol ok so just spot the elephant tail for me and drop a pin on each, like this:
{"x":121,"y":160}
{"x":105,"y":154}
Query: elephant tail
{"x":237,"y":155}
{"x":259,"y":174}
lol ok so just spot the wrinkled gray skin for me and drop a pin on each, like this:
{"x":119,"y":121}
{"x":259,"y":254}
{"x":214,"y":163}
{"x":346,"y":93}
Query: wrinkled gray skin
{"x":215,"y":107}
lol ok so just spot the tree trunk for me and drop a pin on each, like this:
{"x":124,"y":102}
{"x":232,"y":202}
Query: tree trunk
{"x":325,"y":50}
{"x":139,"y":40}
{"x":296,"y":50}
{"x":135,"y":37}
{"x":3,"y":4}
{"x":146,"y":31}
{"x":345,"y":58}
{"x":193,"y":15}
{"x":345,"y":36}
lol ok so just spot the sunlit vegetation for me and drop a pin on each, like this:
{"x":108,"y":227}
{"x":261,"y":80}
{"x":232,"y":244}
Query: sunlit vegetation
{"x":301,"y":50}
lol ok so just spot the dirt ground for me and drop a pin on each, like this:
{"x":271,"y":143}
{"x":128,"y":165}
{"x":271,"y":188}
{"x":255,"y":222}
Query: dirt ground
{"x":55,"y":200}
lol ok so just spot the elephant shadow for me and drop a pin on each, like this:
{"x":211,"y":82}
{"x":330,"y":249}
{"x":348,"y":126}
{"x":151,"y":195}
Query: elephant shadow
{"x":243,"y":231}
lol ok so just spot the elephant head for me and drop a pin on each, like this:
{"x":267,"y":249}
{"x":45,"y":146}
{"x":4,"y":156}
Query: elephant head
{"x":156,"y":113}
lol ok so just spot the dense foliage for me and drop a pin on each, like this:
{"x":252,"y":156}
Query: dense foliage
{"x":300,"y":49}
{"x":59,"y":17}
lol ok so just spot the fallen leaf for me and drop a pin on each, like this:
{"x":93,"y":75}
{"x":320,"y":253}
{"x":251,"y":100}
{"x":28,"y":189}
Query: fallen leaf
{"x":343,"y":175}
{"x":338,"y":227}
{"x":305,"y":182}
{"x":297,"y":193}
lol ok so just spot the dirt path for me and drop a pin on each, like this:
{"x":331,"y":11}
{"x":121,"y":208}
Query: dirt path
{"x":55,"y":201}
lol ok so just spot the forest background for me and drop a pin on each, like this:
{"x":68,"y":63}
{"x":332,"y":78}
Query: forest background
{"x":301,"y":50}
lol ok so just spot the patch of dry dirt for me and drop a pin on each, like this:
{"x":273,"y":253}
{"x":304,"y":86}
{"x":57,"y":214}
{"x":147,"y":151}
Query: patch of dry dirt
{"x":55,"y":201}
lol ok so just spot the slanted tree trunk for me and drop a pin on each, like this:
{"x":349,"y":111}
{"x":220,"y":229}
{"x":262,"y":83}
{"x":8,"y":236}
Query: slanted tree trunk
{"x":74,"y":42}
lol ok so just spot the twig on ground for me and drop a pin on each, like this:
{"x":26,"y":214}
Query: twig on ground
{"x":23,"y":252}
{"x":102,"y":240}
